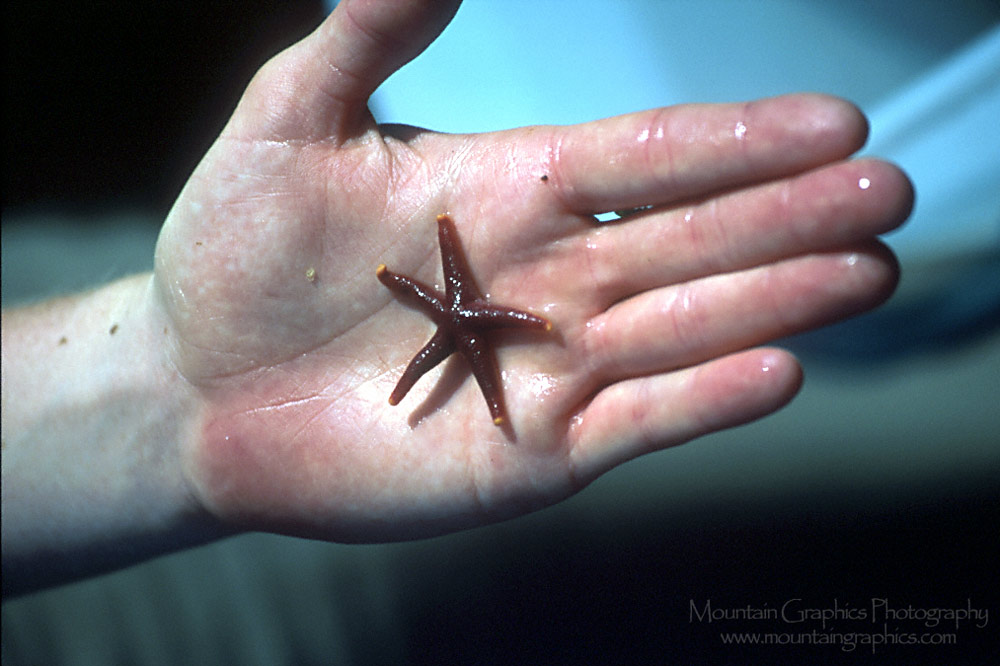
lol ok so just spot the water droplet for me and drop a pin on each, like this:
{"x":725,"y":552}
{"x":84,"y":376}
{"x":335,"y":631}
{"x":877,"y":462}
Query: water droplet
{"x":864,"y":183}
{"x":740,"y":130}
{"x":768,"y":362}
{"x":541,"y":386}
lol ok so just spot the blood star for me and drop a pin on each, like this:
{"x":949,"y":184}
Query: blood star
{"x":462,"y":316}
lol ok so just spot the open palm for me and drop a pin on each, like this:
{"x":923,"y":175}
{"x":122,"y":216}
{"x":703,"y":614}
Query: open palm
{"x":266,"y":271}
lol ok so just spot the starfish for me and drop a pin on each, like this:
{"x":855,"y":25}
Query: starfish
{"x":463,"y":316}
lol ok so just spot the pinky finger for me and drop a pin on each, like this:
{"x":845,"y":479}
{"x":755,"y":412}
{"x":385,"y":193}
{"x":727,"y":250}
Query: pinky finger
{"x":645,"y":414}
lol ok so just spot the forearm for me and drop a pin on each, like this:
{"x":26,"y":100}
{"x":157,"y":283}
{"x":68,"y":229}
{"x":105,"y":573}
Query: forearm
{"x":95,"y":425}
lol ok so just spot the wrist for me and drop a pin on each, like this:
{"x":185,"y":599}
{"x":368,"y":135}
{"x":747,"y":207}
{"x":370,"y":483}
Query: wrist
{"x":96,"y":427}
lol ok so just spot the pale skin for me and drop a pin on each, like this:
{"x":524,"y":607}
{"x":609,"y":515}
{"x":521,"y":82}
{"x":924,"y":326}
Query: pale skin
{"x":246,"y":384}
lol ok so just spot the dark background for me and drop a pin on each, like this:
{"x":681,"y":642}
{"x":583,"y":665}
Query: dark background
{"x":114,"y":102}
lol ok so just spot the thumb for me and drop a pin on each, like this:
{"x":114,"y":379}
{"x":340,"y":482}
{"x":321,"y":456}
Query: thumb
{"x":319,"y":88}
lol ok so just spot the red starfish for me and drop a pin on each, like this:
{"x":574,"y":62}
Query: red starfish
{"x":462,"y":316}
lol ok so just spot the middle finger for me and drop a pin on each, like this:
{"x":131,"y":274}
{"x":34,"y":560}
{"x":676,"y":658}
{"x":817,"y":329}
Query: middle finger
{"x":831,"y":207}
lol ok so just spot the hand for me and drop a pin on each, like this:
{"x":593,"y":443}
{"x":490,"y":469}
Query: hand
{"x":266,"y":271}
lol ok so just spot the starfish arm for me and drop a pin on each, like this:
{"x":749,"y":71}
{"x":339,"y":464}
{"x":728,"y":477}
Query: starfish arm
{"x":480,"y":356}
{"x":482,"y":314}
{"x":459,"y":285}
{"x":426,"y":297}
{"x":463,"y":317}
{"x":437,"y":349}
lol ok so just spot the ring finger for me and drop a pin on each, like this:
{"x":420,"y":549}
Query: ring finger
{"x":684,"y":324}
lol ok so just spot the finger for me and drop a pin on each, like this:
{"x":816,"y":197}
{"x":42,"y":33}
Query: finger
{"x":676,"y":153}
{"x":319,"y":88}
{"x":641,"y":415}
{"x":685,"y":324}
{"x":828,"y":208}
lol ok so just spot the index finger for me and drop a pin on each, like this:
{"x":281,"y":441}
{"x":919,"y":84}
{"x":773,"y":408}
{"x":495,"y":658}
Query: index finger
{"x":683,"y":152}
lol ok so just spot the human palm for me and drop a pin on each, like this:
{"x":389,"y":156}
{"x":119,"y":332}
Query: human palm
{"x":266,"y":271}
